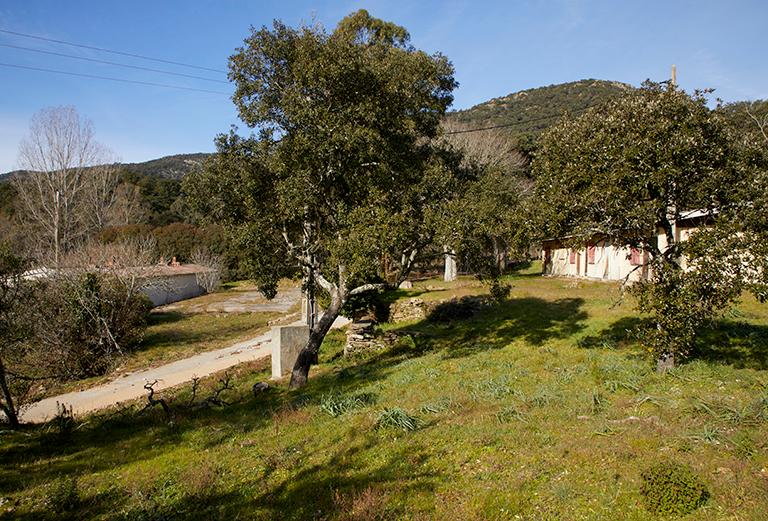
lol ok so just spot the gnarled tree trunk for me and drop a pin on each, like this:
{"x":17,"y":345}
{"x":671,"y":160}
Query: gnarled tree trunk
{"x":308,"y":354}
{"x":7,"y":405}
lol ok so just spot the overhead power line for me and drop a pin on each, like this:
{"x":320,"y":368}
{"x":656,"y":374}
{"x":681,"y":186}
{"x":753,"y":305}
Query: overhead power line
{"x":122,"y":80}
{"x":101,"y":49}
{"x":138,"y":67}
{"x":517,"y":124}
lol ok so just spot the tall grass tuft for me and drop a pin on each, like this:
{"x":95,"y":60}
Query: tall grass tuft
{"x":335,"y":404}
{"x":397,"y":418}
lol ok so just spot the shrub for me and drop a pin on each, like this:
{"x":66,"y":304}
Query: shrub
{"x":672,"y":489}
{"x":456,"y":309}
{"x":88,"y":320}
{"x":64,"y":422}
{"x":64,"y":495}
{"x":499,"y":291}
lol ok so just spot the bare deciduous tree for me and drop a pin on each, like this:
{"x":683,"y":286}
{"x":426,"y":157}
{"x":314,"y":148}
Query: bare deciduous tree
{"x":209,"y":280}
{"x":760,"y":120}
{"x":70,"y":180}
{"x":486,"y":149}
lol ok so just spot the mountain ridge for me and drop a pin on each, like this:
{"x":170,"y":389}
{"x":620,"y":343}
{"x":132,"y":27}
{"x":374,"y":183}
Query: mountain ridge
{"x":174,"y":166}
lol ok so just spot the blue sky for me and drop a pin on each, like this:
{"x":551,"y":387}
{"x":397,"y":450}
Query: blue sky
{"x":497,"y":47}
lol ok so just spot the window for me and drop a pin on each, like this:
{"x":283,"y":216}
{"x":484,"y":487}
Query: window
{"x":591,"y":254}
{"x":635,"y":257}
{"x":572,"y":257}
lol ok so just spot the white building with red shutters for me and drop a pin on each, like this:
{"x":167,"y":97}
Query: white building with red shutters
{"x":600,"y":259}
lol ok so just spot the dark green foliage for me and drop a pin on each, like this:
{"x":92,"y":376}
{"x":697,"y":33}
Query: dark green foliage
{"x":456,"y":309}
{"x":604,"y":176}
{"x":672,"y":489}
{"x":64,"y":495}
{"x":159,"y":196}
{"x":369,"y":304}
{"x":15,"y":301}
{"x":339,"y":183}
{"x":7,"y":197}
{"x":499,"y":290}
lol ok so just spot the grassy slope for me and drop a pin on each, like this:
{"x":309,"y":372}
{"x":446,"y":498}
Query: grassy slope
{"x":521,"y":423}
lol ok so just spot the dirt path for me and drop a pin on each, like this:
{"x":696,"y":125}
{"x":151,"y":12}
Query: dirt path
{"x":131,"y":386}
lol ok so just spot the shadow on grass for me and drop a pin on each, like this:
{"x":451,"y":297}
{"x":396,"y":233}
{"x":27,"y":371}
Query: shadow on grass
{"x":165,"y":317}
{"x":532,"y":320}
{"x":331,"y":487}
{"x":298,"y":491}
{"x":624,"y":331}
{"x":111,"y":440}
{"x":529,"y":319}
{"x":740,"y":344}
{"x":525,"y":269}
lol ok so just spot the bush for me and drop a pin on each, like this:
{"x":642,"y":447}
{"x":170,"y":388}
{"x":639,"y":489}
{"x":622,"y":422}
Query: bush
{"x":456,"y":309}
{"x":64,"y":495}
{"x":672,"y":489}
{"x":88,"y":320}
{"x":499,"y":291}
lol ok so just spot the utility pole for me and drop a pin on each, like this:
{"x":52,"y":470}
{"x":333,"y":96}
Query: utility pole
{"x":673,"y":83}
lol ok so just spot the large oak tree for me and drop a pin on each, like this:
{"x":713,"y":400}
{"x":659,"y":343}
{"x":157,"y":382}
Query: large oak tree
{"x":342,"y":178}
{"x":627,"y":169}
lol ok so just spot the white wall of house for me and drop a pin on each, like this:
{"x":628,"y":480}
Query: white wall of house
{"x":607,"y":262}
{"x":610,"y":262}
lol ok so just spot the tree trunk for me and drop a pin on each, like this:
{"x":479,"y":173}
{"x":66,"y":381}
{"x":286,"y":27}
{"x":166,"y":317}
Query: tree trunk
{"x":500,"y":255}
{"x":666,"y":362}
{"x":308,"y":355}
{"x":450,"y":266}
{"x":8,"y":407}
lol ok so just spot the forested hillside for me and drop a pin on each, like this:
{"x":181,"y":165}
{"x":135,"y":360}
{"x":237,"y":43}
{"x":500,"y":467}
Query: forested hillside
{"x":533,"y":110}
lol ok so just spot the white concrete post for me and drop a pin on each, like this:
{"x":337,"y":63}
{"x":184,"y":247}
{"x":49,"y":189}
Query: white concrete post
{"x":287,"y":342}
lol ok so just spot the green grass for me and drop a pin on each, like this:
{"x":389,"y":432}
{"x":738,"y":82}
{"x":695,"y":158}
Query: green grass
{"x":542,"y":407}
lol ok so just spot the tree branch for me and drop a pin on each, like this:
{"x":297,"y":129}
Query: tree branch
{"x":365,"y":287}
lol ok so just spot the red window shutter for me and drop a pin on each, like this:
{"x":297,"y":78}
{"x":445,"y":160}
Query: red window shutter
{"x":591,"y":254}
{"x":635,"y":257}
{"x":572,"y":257}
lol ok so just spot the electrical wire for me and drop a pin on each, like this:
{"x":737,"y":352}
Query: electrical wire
{"x":102,"y":49}
{"x":139,"y":67}
{"x":122,"y":80}
{"x":517,"y":124}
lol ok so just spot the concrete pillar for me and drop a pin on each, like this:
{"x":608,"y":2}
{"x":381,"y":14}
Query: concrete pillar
{"x":287,"y":342}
